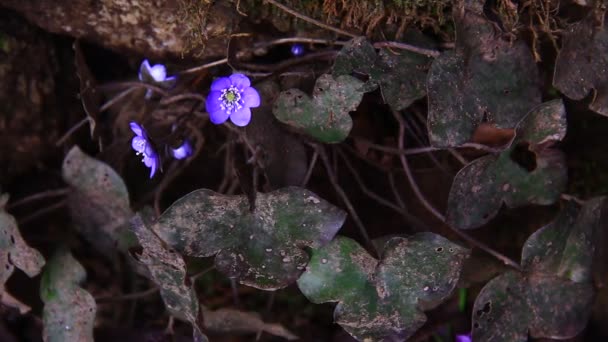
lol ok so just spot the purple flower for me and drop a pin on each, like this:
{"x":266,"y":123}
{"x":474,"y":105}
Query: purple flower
{"x":463,"y":338}
{"x":142,"y":146}
{"x":297,"y":49}
{"x":232,"y":97}
{"x":155,"y":74}
{"x":184,"y":151}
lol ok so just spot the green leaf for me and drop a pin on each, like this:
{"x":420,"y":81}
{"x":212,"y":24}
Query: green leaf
{"x":485,"y":79}
{"x":553,"y":297}
{"x":69,"y":310}
{"x":380,"y":299}
{"x":14,"y":252}
{"x":582,"y":62}
{"x":168,"y":270}
{"x":401,"y":77}
{"x":528,"y":172}
{"x":99,"y":202}
{"x":324,"y":117}
{"x":263,"y":248}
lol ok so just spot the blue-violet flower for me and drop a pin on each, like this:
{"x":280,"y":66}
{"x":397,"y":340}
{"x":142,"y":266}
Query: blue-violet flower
{"x":463,"y":338}
{"x":297,"y":49}
{"x":184,"y":151}
{"x":155,"y":74}
{"x":232,"y":97}
{"x":142,"y":146}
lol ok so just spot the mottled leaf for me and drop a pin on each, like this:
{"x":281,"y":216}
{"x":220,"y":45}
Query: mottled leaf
{"x":401,"y":76}
{"x":325,"y":117}
{"x":528,"y":172}
{"x":386,"y":298}
{"x":168,"y":270}
{"x":14,"y":252}
{"x":486,"y":79}
{"x":552,"y":298}
{"x":69,"y":310}
{"x":99,"y":202}
{"x":582,"y":63}
{"x":263,"y":248}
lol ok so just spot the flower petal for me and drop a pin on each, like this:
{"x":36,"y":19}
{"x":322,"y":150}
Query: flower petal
{"x":220,"y":84}
{"x":218,"y":117}
{"x":240,"y":81}
{"x":136,"y":128}
{"x":144,"y":69}
{"x":241,"y":117}
{"x":251,"y":97}
{"x":158,"y":72}
{"x":184,"y":151}
{"x":213,"y":101}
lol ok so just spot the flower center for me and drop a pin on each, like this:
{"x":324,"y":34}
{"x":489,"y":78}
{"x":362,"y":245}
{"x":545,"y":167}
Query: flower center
{"x":230,"y":99}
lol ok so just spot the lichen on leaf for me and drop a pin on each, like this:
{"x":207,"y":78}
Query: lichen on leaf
{"x":530,"y":171}
{"x":379,"y":299}
{"x":263,"y":248}
{"x":325,"y":116}
{"x":552,"y":297}
{"x":14,"y":252}
{"x":69,"y":310}
{"x":486,"y":79}
{"x":401,"y":76}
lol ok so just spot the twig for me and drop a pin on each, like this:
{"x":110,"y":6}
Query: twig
{"x":412,"y":220}
{"x":426,"y":149}
{"x":194,"y":277}
{"x":391,"y":181}
{"x":205,"y":66}
{"x":116,"y":98}
{"x":311,"y":20}
{"x":572,"y":198}
{"x":408,"y":47}
{"x":311,"y":166}
{"x":181,"y":97}
{"x":71,"y":131}
{"x":344,"y":197}
{"x":38,"y":196}
{"x":42,"y":212}
{"x":130,"y":296}
{"x":408,"y":173}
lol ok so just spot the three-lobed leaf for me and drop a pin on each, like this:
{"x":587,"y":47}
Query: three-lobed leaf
{"x":400,"y":76}
{"x":386,"y":298}
{"x":263,"y":248}
{"x":528,"y":172}
{"x":552,"y":298}
{"x":325,"y":116}
{"x":69,"y":311}
{"x":98,"y":202}
{"x":582,"y":63}
{"x":485,"y":79}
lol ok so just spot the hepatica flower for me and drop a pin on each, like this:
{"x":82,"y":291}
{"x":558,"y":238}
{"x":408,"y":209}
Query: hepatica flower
{"x":155,"y":74}
{"x":142,"y":146}
{"x":463,"y":338}
{"x":297,"y":50}
{"x":182,"y":152}
{"x":232,"y":97}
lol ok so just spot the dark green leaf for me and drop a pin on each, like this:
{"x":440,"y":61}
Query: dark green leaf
{"x":69,"y":310}
{"x":401,"y":76}
{"x":553,"y":297}
{"x":168,"y":270}
{"x":263,"y":248}
{"x":99,"y":202}
{"x":14,"y":252}
{"x":486,"y":79}
{"x":379,"y":299}
{"x":582,"y":63}
{"x":325,"y":117}
{"x":528,"y":172}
